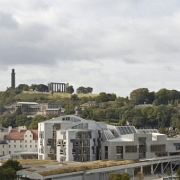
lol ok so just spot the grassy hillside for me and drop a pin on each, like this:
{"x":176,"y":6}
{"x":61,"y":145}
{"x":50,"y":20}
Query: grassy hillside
{"x":50,"y":96}
{"x":10,"y":96}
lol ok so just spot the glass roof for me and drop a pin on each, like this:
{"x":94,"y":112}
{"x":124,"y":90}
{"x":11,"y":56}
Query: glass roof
{"x":125,"y":130}
{"x":108,"y":134}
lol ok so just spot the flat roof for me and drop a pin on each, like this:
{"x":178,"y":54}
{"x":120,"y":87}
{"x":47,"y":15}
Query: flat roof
{"x":31,"y":103}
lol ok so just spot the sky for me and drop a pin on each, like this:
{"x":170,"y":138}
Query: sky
{"x":112,"y":46}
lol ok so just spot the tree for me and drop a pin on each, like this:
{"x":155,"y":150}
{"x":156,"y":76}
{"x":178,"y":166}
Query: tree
{"x":70,"y":89}
{"x":178,"y":173}
{"x":168,"y":171}
{"x":8,"y":169}
{"x":140,"y":175}
{"x":74,"y":97}
{"x":125,"y":176}
{"x":23,"y":87}
{"x":81,"y":90}
{"x":139,"y":96}
{"x":89,"y":89}
{"x":42,"y":88}
{"x":111,"y":176}
{"x":84,"y":90}
{"x":7,"y":173}
{"x":15,"y":165}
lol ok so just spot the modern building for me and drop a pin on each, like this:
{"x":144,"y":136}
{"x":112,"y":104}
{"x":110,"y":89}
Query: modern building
{"x":71,"y":138}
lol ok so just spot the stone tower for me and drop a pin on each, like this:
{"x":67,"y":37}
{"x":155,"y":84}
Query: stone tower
{"x":13,"y":79}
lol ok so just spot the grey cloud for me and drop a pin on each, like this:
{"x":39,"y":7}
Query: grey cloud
{"x":7,"y":21}
{"x":33,"y":32}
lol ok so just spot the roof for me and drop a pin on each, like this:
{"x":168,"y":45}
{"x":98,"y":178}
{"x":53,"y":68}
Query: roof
{"x":16,"y":135}
{"x":30,"y":103}
{"x":35,"y":134}
{"x":53,"y":109}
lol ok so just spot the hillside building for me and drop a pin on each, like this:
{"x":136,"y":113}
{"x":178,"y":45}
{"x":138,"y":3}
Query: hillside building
{"x":32,"y":108}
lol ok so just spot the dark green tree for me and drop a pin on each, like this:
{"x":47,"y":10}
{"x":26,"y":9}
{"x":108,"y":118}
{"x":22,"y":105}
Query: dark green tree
{"x":7,"y":173}
{"x":70,"y":89}
{"x":15,"y":165}
{"x":141,"y":96}
{"x":23,"y":87}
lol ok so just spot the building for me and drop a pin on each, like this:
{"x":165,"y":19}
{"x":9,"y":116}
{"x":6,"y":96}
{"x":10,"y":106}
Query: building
{"x":71,"y":138}
{"x":17,"y":140}
{"x":21,"y":139}
{"x":32,"y":108}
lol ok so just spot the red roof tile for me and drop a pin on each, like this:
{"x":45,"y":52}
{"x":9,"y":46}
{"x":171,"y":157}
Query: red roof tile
{"x":15,"y":135}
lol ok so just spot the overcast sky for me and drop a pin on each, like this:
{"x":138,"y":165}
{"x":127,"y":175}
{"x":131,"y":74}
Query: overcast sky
{"x":114,"y":46}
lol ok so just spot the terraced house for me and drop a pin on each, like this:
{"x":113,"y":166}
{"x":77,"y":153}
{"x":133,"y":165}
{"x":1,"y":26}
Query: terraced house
{"x":71,"y":138}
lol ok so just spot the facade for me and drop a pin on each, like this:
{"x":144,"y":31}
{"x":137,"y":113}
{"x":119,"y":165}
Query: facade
{"x":19,"y":139}
{"x":33,"y":108}
{"x":71,"y":138}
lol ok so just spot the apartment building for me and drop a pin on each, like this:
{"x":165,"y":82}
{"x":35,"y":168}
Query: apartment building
{"x":18,"y":140}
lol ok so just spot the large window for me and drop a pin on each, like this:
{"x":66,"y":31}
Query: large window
{"x":119,"y":149}
{"x":130,"y":149}
{"x":158,"y":148}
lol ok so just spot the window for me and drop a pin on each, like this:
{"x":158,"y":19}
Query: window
{"x":3,"y":146}
{"x":26,"y":146}
{"x":35,"y":146}
{"x":14,"y":140}
{"x":130,"y":149}
{"x":73,"y":151}
{"x":119,"y":149}
{"x":30,"y":146}
{"x":14,"y":146}
{"x":30,"y":141}
{"x":20,"y":141}
{"x":106,"y":152}
{"x":20,"y":146}
{"x":25,"y":141}
{"x":158,"y":148}
{"x":61,"y":151}
{"x":9,"y":145}
{"x":9,"y":152}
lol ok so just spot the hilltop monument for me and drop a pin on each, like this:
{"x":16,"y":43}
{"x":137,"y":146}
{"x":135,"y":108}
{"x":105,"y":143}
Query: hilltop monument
{"x":13,"y":79}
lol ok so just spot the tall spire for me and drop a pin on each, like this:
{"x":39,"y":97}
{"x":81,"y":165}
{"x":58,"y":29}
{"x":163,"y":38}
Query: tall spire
{"x":13,"y":79}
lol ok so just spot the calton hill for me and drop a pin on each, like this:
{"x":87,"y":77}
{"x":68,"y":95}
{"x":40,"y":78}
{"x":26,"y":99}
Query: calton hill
{"x":142,"y":109}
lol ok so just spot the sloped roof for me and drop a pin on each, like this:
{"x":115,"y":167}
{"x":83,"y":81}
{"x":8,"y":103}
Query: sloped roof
{"x":15,"y":135}
{"x":35,"y":134}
